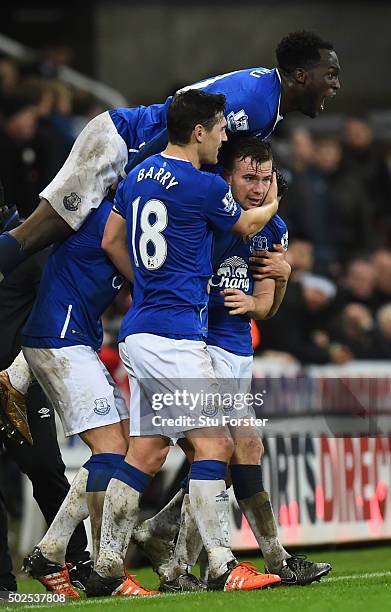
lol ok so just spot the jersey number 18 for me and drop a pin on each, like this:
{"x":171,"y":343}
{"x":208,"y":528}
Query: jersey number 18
{"x":150,"y":233}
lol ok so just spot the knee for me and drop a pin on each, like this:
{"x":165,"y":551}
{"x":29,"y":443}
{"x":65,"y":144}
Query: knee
{"x":155,"y":462}
{"x":150,"y":462}
{"x":219,"y":449}
{"x":226,"y":447}
{"x":248,"y":451}
{"x":107,"y":439}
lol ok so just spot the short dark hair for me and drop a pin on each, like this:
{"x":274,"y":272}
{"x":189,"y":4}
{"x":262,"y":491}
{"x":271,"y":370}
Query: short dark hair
{"x":239,"y":147}
{"x":190,"y":108}
{"x":300,"y":50}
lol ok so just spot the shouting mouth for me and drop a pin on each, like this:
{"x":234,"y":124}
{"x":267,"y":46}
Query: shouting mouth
{"x":323,"y":101}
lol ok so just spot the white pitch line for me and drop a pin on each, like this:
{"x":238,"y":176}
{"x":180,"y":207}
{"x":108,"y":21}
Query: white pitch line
{"x":95,"y":601}
{"x":356,"y":576}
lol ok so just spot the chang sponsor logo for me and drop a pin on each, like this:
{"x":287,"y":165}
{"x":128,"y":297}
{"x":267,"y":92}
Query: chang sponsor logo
{"x":232,"y":274}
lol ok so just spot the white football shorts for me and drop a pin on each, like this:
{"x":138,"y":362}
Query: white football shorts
{"x":173,"y":385}
{"x":235,"y":375}
{"x":95,"y":162}
{"x":79,"y":387}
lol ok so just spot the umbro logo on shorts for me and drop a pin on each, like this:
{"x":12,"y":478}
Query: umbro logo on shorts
{"x":44,"y":412}
{"x":223,"y":496}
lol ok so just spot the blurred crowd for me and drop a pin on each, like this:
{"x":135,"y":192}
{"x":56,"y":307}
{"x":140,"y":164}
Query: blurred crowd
{"x":40,"y":117}
{"x":338,"y":302}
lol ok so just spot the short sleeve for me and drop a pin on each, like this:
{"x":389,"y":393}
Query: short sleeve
{"x":282,"y":237}
{"x":274,"y":232}
{"x":220,"y":208}
{"x":119,"y":205}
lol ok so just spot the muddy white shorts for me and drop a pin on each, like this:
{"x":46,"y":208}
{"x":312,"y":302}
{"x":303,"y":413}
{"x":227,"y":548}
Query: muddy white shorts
{"x":78,"y":386}
{"x":173,"y":385}
{"x":95,"y":162}
{"x":235,"y":374}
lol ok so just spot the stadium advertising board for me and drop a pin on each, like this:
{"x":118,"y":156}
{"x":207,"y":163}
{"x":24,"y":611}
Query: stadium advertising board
{"x":324,"y":490}
{"x":327,"y":461}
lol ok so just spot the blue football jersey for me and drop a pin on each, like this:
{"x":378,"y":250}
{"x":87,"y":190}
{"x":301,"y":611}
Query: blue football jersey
{"x":231,"y":270}
{"x":253,"y":101}
{"x":78,"y":283}
{"x":170,"y":209}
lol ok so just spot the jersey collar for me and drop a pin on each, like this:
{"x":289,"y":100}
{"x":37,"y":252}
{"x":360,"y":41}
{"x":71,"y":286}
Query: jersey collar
{"x":187,"y":161}
{"x":278,"y":116}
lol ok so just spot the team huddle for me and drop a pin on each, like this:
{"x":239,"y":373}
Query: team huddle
{"x":193,"y":227}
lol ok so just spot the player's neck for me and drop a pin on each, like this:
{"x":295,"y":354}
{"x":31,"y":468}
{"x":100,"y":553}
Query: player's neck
{"x":288,"y":102}
{"x":185,"y":152}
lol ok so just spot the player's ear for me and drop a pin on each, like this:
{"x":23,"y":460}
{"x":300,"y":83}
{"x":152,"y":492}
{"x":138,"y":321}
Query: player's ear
{"x":227,"y":174}
{"x":300,"y":75}
{"x":199,"y":131}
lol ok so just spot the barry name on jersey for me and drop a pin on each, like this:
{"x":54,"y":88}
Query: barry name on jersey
{"x":160,"y":175}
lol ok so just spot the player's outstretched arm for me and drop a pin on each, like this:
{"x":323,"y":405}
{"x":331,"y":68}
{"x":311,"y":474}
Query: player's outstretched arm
{"x":253,"y":220}
{"x":114,"y":243}
{"x":43,"y":227}
{"x":40,"y":229}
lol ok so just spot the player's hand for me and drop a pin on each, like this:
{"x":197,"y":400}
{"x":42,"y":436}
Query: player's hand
{"x":239,"y":302}
{"x":271,"y":196}
{"x":267,"y":264}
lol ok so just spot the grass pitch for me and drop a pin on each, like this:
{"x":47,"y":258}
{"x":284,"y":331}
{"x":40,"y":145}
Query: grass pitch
{"x":360,"y":581}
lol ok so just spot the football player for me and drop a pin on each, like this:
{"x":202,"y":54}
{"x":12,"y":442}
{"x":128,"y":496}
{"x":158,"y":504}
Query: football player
{"x":307,"y":74}
{"x":60,"y":342}
{"x":234,"y":299}
{"x":167,"y":208}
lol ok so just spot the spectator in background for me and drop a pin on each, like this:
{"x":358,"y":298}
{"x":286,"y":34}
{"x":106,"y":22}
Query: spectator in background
{"x":18,"y":157}
{"x":358,"y":285}
{"x":300,"y":256}
{"x":342,"y":211}
{"x":302,"y":150}
{"x":365,"y":159}
{"x":297,"y":206}
{"x":310,"y":202}
{"x":323,"y":189}
{"x":85,"y":108}
{"x":9,"y":77}
{"x":54,"y":135}
{"x":383,"y":226}
{"x":381,"y":260}
{"x":382,"y":348}
{"x":354,"y":330}
{"x":36,"y":136}
{"x":301,"y":327}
